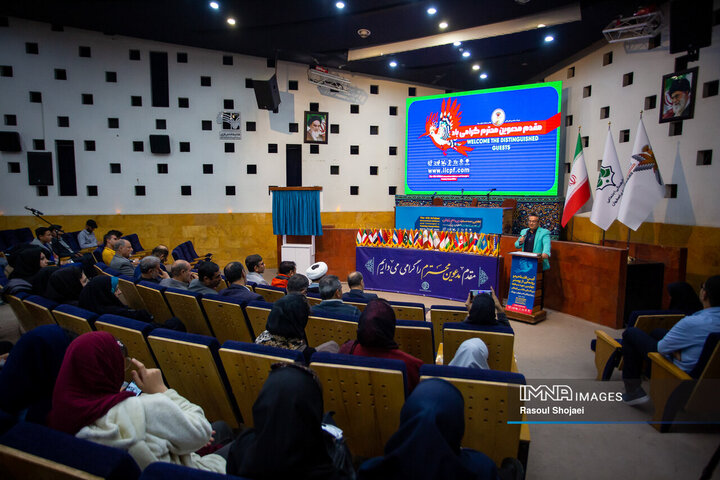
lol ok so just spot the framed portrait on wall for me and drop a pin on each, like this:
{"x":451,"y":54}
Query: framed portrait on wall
{"x":316,"y":127}
{"x":678,"y":95}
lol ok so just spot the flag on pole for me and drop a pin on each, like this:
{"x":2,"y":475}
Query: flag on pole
{"x":643,"y":184}
{"x":578,"y":191}
{"x":609,"y":189}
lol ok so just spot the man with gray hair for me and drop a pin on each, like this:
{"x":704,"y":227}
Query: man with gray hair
{"x":121,"y":261}
{"x":356,"y":293}
{"x":180,"y":276}
{"x":298,"y":284}
{"x":332,"y":304}
{"x":150,"y":270}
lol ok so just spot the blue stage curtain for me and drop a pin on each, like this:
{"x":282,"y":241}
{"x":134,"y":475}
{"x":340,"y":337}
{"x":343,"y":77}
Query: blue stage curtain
{"x":296,"y":212}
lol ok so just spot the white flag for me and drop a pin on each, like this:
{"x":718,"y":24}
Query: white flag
{"x":609,"y":189}
{"x":643,"y":184}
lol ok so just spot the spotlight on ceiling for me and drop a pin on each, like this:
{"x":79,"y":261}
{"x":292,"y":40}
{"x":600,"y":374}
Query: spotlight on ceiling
{"x":476,"y":67}
{"x":443,"y":25}
{"x":483,"y":76}
{"x":393,"y":64}
{"x":340,"y":5}
{"x":541,"y":25}
{"x":457,"y":44}
{"x":466,"y":54}
{"x":363,"y":32}
{"x":432,"y":11}
{"x":549,"y":39}
{"x":231,"y":21}
{"x":214,"y":5}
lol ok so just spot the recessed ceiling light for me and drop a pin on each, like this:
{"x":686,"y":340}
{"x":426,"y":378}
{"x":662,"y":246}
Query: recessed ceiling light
{"x":231,"y":21}
{"x":457,"y":44}
{"x":214,"y":5}
{"x":363,"y":32}
{"x":431,"y":11}
{"x":466,"y":54}
{"x":541,"y":25}
{"x":443,"y":25}
{"x":393,"y":64}
{"x":476,"y":67}
{"x":483,"y":76}
{"x":549,"y":38}
{"x":340,"y":5}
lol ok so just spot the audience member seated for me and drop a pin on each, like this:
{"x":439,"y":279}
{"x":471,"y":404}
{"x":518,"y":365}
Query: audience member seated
{"x":162,"y":252}
{"x":684,"y":298}
{"x":285,"y":271}
{"x":86,"y":238}
{"x":235,"y":276}
{"x":471,"y":353}
{"x":208,"y":277}
{"x":102,"y":296}
{"x":40,"y":280}
{"x":485,"y":309}
{"x":158,"y":425}
{"x":65,"y":285}
{"x":427,"y":442}
{"x":26,"y":262}
{"x":683,"y":342}
{"x":376,"y":338}
{"x":256,"y":267}
{"x":285,"y":327}
{"x":181,"y":275}
{"x":357,"y":285}
{"x":29,"y":374}
{"x":43,"y":239}
{"x":150,"y":270}
{"x":287,"y":440}
{"x":59,"y":246}
{"x":121,"y":260}
{"x":105,"y":250}
{"x":297,"y":285}
{"x":331,"y":294}
{"x":315,"y":273}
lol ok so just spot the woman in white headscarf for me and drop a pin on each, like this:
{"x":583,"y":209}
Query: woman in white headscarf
{"x":472,"y":353}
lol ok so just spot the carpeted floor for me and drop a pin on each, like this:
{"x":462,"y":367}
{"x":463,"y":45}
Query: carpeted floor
{"x":559,"y":349}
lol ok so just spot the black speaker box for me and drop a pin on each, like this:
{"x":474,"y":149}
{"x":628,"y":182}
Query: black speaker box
{"x":40,"y":169}
{"x":160,"y":143}
{"x":10,"y":142}
{"x":690,"y":25}
{"x":267,"y":93}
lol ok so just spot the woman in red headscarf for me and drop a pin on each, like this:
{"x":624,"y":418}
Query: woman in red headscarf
{"x":376,"y":338}
{"x":157,"y":426}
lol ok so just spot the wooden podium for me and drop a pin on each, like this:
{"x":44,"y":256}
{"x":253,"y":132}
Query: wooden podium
{"x":525,"y":296}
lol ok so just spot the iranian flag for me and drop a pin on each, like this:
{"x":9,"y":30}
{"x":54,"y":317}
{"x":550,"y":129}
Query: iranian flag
{"x":578,"y":191}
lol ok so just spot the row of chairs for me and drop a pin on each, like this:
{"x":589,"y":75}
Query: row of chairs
{"x":11,"y":237}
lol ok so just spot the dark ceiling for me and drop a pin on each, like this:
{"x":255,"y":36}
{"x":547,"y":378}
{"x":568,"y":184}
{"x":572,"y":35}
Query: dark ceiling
{"x":316,"y":32}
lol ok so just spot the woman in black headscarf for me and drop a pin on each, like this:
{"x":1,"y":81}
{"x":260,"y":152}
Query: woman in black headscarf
{"x":26,"y":262}
{"x":65,"y":285}
{"x":287,"y":440}
{"x":40,"y":280}
{"x":427,"y":443}
{"x":482,"y":310}
{"x":684,"y":298}
{"x":376,"y":338}
{"x":285,"y":327}
{"x":101,"y":294}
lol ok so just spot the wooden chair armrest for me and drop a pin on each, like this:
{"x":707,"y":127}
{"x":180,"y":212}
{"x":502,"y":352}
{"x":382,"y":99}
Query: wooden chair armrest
{"x":664,"y":369}
{"x":439,"y":357}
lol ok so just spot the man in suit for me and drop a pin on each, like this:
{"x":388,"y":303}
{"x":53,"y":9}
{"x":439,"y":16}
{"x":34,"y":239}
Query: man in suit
{"x":535,"y":239}
{"x":121,"y":261}
{"x":356,"y":293}
{"x":208,"y":278}
{"x":180,"y":276}
{"x":331,"y":294}
{"x":150,"y":270}
{"x":238,"y":290}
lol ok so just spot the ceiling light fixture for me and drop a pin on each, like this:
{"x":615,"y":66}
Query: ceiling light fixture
{"x":340,"y":5}
{"x":393,"y":64}
{"x":541,"y":25}
{"x":432,"y":11}
{"x":231,"y":21}
{"x":476,"y":67}
{"x":214,"y":5}
{"x":549,"y":39}
{"x":483,"y":76}
{"x":443,"y":25}
{"x":457,"y":44}
{"x":363,"y":32}
{"x":466,"y":54}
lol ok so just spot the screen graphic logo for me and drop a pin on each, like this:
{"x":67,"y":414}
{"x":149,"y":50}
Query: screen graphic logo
{"x":441,"y":131}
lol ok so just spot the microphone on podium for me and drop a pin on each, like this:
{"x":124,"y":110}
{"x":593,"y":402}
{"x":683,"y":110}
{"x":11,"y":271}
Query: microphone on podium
{"x":488,"y":194}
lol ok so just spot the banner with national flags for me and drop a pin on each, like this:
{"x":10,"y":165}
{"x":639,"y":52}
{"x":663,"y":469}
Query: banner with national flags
{"x":609,"y":189}
{"x":455,"y":242}
{"x":644,"y":187}
{"x":578,"y":192}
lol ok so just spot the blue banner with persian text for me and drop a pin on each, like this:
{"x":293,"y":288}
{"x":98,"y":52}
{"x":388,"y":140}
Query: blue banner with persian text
{"x":426,"y":272}
{"x":523,"y":284}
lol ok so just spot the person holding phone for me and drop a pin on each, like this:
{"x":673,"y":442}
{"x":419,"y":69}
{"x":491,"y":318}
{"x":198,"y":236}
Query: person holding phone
{"x":535,"y":239}
{"x":485,"y":309}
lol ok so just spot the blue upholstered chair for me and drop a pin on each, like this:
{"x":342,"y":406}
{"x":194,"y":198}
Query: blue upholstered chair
{"x":186,"y":305}
{"x":441,"y":314}
{"x":152,"y":295}
{"x":257,"y":313}
{"x":133,"y":334}
{"x":227,"y":318}
{"x":499,"y":339}
{"x":74,"y":318}
{"x":416,"y":338}
{"x":270,"y":293}
{"x":40,"y":310}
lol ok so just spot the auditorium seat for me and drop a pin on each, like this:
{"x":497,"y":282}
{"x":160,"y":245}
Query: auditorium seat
{"x":40,"y":310}
{"x":227,"y":318}
{"x":32,"y":451}
{"x":138,"y":249}
{"x":133,"y":334}
{"x":186,"y":306}
{"x":696,"y":394}
{"x":408,"y":310}
{"x":247,"y":366}
{"x":492,"y":399}
{"x":366,"y":395}
{"x":130,"y":292}
{"x":359,"y":304}
{"x":152,"y":295}
{"x":257,"y":312}
{"x":20,"y":310}
{"x":270,"y":293}
{"x":164,"y":471}
{"x":313,"y":299}
{"x":416,"y":338}
{"x":74,"y":318}
{"x":498,"y":338}
{"x":324,"y":328}
{"x":441,"y":314}
{"x":192,"y":366}
{"x":186,"y":251}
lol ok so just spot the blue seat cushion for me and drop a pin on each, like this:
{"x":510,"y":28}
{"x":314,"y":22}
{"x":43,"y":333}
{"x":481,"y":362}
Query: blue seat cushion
{"x":260,"y":304}
{"x":270,"y":287}
{"x":42,"y":301}
{"x":152,"y":285}
{"x":78,"y":312}
{"x":448,"y":307}
{"x":294,"y":355}
{"x":409,"y":304}
{"x":142,"y":327}
{"x":332,"y":316}
{"x":468,"y":373}
{"x":360,"y":361}
{"x":481,"y":328}
{"x":164,"y":471}
{"x":189,"y":293}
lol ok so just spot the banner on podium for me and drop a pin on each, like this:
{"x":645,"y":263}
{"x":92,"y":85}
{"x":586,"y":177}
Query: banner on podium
{"x":523,"y":283}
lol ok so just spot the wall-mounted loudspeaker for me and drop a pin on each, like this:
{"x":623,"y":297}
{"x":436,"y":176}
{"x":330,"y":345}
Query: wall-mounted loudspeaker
{"x":267,"y":93}
{"x":10,"y":142}
{"x":160,"y":143}
{"x":690,"y":25}
{"x":40,"y":169}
